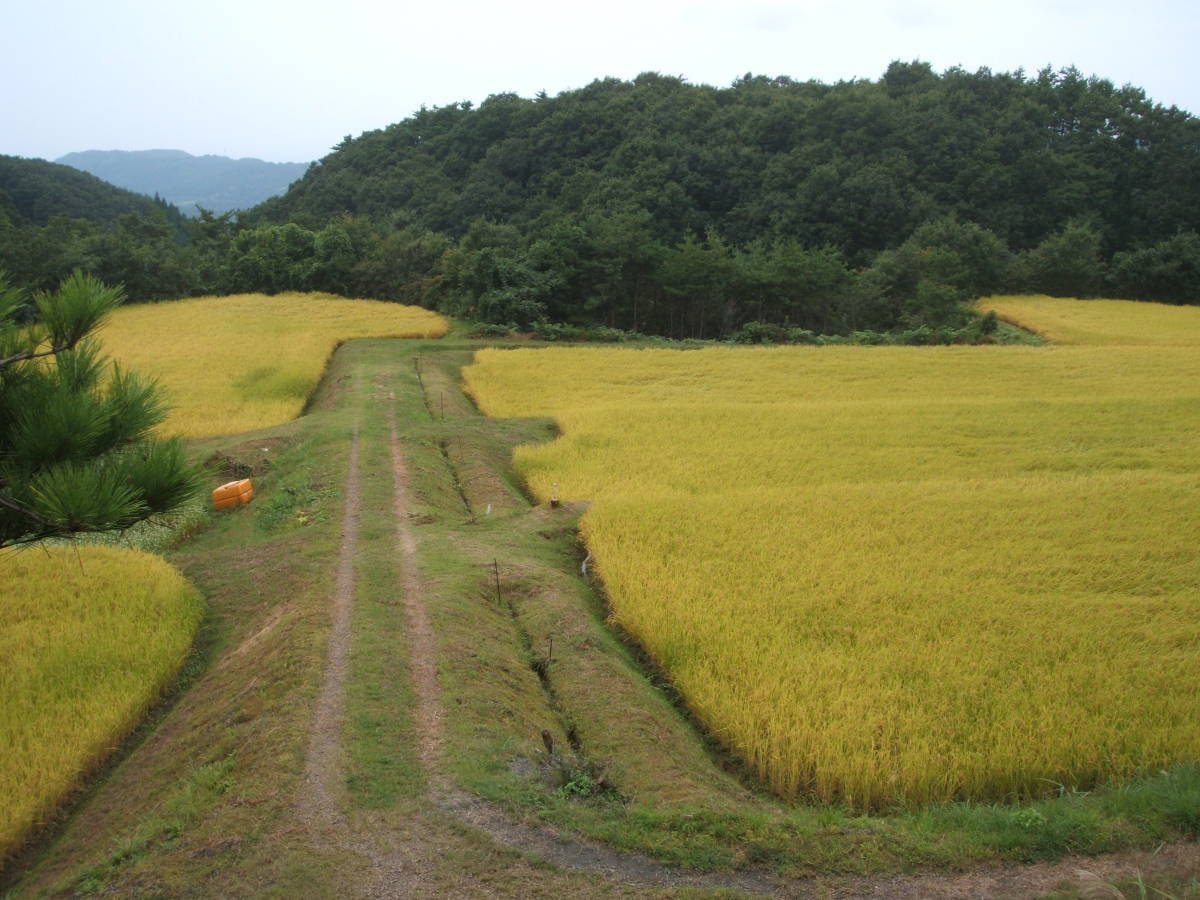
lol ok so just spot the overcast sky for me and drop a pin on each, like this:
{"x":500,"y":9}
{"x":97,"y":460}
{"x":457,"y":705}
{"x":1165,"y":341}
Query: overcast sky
{"x":285,"y":81}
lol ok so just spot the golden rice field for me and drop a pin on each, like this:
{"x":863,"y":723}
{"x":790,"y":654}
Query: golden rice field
{"x":232,"y":364}
{"x":1110,"y":322}
{"x":896,"y":575}
{"x":88,"y":642}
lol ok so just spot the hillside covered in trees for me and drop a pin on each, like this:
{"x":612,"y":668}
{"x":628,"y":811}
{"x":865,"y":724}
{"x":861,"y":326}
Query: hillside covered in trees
{"x":687,"y":210}
{"x":854,"y":165}
{"x":33,"y":191}
{"x":55,"y":219}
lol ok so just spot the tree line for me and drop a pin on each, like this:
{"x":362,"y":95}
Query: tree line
{"x":658,"y":206}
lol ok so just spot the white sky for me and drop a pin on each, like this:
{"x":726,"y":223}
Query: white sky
{"x":284,"y":81}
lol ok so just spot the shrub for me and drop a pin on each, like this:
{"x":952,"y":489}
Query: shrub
{"x":604,"y":334}
{"x":760,"y":333}
{"x":489,"y":329}
{"x":554,"y":331}
{"x":1168,"y":272}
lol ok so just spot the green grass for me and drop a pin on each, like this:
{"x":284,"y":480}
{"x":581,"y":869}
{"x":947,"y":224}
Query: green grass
{"x":380,"y":738}
{"x":163,"y":826}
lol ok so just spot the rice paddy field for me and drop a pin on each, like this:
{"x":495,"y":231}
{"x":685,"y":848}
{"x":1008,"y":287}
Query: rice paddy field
{"x":889,"y":576}
{"x":1098,"y":322}
{"x":233,"y":364}
{"x":89,"y":638}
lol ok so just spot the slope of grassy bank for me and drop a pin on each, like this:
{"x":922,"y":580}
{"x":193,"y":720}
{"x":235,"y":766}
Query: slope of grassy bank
{"x":88,"y":638}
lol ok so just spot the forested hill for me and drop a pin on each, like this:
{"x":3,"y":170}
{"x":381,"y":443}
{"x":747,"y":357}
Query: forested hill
{"x":55,"y":219}
{"x":32,"y":191}
{"x":855,"y":165}
{"x":216,"y":183}
{"x":766,"y":208}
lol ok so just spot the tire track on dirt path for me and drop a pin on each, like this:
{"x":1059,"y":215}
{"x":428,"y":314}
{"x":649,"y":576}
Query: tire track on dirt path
{"x":318,"y":804}
{"x":321,"y":810}
{"x":422,"y":646}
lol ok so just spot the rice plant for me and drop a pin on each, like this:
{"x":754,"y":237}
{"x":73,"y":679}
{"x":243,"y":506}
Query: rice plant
{"x":89,"y":637}
{"x":890,"y":576}
{"x":233,"y":364}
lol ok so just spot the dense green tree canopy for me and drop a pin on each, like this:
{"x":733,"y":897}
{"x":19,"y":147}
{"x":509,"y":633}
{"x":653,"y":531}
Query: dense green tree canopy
{"x":33,"y":191}
{"x":857,"y":165}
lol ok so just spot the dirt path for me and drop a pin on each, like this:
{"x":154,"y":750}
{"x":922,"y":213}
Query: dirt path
{"x":318,"y":804}
{"x":321,"y":820}
{"x":1091,"y":877}
{"x":422,"y":647}
{"x":407,"y":865}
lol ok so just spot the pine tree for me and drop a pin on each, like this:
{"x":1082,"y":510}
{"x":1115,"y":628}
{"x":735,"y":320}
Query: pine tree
{"x":76,"y":447}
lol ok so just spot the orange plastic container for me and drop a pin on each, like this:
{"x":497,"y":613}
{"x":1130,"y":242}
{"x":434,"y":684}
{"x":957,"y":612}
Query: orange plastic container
{"x":233,"y":493}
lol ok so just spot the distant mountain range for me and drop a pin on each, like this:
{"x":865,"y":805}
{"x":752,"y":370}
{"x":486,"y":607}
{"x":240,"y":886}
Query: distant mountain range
{"x":216,"y":183}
